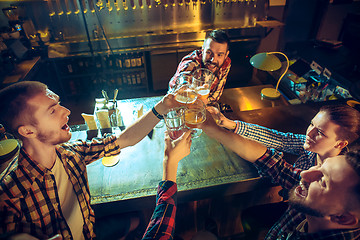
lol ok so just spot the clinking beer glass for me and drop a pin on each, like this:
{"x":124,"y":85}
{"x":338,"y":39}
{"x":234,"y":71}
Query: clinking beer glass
{"x":202,"y":81}
{"x":184,"y":91}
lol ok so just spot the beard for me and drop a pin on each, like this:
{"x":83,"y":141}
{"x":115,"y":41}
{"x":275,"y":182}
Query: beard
{"x":300,"y":206}
{"x":215,"y":66}
{"x":49,"y":137}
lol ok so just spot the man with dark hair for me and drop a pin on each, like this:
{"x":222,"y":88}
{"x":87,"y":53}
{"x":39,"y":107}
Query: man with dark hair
{"x":327,"y":194}
{"x":214,"y":56}
{"x":45,"y":192}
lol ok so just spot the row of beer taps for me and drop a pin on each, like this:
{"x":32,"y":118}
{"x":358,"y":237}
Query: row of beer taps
{"x":74,"y":8}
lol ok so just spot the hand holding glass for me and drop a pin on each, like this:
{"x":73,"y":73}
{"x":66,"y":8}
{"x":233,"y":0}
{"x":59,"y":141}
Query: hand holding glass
{"x":214,"y":110}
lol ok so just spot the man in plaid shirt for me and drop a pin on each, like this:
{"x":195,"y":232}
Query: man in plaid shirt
{"x":315,"y":204}
{"x":45,"y":193}
{"x":319,"y":143}
{"x":213,"y":56}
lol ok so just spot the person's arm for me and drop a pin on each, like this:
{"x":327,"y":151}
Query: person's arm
{"x":271,"y":138}
{"x":139,"y":129}
{"x":162,"y":223}
{"x":187,"y":64}
{"x":247,"y":149}
{"x":270,"y":163}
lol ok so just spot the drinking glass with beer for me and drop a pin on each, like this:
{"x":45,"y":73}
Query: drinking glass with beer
{"x":184,"y":91}
{"x":202,"y":81}
{"x":195,"y":114}
{"x":175,"y":122}
{"x":214,"y":109}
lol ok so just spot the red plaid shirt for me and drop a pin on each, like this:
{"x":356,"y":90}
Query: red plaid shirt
{"x":29,"y":201}
{"x":194,"y":61}
{"x":162,"y":223}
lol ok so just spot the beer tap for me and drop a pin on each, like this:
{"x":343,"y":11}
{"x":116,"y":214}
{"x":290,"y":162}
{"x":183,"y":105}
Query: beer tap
{"x":68,"y":11}
{"x":125,"y":5}
{"x":165,"y":3}
{"x":51,"y":8}
{"x":91,"y":6}
{"x":58,"y":5}
{"x":76,"y":8}
{"x":180,"y":2}
{"x":108,"y":6}
{"x":116,"y":4}
{"x":100,"y":4}
{"x":83,"y":5}
{"x":148,"y":3}
{"x":141,"y":4}
{"x":132,"y":4}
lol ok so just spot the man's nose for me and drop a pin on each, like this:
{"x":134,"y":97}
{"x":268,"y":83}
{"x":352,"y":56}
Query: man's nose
{"x":311,"y":131}
{"x":66,"y":111}
{"x":312,"y":174}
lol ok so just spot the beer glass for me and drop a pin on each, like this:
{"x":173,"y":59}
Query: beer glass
{"x":175,"y":122}
{"x":195,"y":114}
{"x":183,"y":90}
{"x":202,"y":81}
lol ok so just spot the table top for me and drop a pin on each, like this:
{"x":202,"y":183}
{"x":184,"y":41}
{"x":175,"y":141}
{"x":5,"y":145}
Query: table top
{"x":211,"y":170}
{"x":139,"y":170}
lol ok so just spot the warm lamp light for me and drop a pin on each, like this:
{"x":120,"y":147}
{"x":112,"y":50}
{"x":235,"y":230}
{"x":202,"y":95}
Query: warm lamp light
{"x":269,"y":62}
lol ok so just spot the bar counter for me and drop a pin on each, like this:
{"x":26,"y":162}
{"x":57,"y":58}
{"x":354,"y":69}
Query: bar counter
{"x":211,"y":170}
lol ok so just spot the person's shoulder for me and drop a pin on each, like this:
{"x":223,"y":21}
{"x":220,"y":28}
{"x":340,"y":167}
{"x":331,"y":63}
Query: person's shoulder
{"x":10,"y":180}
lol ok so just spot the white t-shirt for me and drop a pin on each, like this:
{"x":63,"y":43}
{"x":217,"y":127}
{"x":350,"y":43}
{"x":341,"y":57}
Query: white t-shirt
{"x":69,"y":203}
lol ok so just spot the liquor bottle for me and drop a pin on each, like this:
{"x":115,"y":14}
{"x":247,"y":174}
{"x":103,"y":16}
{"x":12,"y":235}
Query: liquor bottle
{"x":133,"y":60}
{"x":127,"y":61}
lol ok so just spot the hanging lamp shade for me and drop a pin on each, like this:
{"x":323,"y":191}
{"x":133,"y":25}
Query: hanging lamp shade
{"x":265,"y":61}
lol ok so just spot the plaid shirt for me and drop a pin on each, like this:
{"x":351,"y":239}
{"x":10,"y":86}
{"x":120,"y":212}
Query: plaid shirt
{"x":162,"y":223}
{"x":284,"y":142}
{"x":28,"y":192}
{"x":193,"y":61}
{"x":288,"y":176}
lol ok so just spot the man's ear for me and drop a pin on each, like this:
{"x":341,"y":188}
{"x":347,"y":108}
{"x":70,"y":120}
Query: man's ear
{"x":341,"y":144}
{"x":347,"y":219}
{"x":27,"y":131}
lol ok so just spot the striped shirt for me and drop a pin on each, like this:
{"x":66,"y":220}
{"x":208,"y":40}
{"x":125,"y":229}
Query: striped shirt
{"x":162,"y":223}
{"x":28,"y":192}
{"x":193,"y":61}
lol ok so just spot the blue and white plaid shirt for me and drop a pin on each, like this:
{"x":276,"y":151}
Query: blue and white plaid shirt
{"x":284,"y":142}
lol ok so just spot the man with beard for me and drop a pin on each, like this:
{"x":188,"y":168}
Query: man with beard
{"x":213,"y":56}
{"x":45,"y":193}
{"x":329,"y":190}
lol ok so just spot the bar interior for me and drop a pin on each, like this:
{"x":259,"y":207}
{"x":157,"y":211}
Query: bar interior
{"x":90,"y":51}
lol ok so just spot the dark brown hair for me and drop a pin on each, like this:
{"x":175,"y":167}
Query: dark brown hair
{"x":347,"y":118}
{"x":13,"y":104}
{"x":219,"y":36}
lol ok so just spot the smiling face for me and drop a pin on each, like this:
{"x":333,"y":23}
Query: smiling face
{"x":50,"y":118}
{"x":321,"y":135}
{"x":325,"y":190}
{"x":214,"y":54}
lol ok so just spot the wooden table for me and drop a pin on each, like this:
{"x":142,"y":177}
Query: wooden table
{"x":211,"y":170}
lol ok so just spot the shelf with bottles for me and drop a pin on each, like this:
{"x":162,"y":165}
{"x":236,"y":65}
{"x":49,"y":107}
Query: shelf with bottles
{"x":123,"y":82}
{"x":88,"y":65}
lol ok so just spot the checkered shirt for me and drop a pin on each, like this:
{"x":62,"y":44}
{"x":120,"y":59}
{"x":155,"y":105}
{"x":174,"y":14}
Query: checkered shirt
{"x":288,"y":176}
{"x":29,"y":201}
{"x":162,"y":223}
{"x":284,"y":142}
{"x":193,"y":61}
